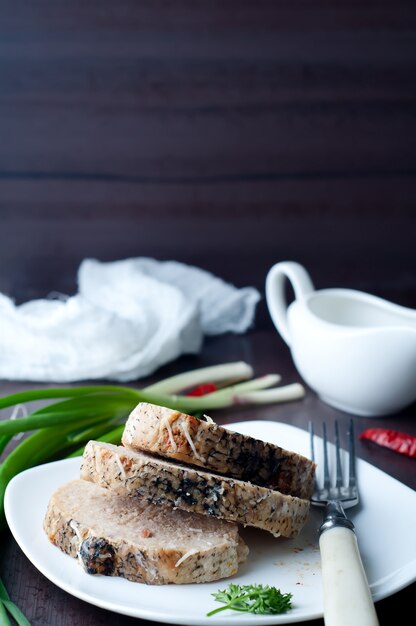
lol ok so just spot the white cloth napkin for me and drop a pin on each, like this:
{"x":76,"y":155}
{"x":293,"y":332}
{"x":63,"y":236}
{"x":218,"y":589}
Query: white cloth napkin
{"x":128,"y":318}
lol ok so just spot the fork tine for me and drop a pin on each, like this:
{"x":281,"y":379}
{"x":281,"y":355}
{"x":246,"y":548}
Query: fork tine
{"x":327,"y":482}
{"x":351,"y":446}
{"x":311,"y":434}
{"x":312,"y":453}
{"x":338,"y":475}
{"x":340,"y":494}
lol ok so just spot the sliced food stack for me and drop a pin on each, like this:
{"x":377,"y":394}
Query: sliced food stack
{"x":164,"y":507}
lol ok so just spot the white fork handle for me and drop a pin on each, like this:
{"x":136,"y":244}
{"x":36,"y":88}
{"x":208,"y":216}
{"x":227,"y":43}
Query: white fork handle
{"x":347,"y":597}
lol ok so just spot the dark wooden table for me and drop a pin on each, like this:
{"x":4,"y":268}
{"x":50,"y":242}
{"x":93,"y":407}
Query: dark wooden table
{"x":46,"y":604}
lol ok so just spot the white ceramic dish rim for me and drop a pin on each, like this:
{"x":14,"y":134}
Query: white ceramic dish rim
{"x":385,"y":582}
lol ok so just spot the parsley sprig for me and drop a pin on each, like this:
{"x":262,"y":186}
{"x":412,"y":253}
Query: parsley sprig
{"x":259,"y":599}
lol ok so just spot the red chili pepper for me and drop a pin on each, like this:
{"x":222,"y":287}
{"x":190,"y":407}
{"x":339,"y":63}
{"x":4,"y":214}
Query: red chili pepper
{"x":393,"y":439}
{"x":202,"y":390}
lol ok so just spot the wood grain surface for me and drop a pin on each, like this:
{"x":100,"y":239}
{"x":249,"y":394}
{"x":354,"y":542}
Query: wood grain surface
{"x":226,"y":134}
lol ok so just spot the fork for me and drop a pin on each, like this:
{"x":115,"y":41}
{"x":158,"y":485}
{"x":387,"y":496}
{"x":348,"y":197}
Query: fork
{"x":347,"y":597}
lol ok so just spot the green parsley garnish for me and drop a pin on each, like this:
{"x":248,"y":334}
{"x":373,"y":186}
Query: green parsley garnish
{"x":259,"y":599}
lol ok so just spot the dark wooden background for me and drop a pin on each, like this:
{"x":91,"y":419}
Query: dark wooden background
{"x":229,"y":134}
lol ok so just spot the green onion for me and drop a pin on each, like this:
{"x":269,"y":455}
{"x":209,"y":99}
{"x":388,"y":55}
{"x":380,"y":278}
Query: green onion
{"x":34,"y":422}
{"x":268,"y":396}
{"x":217,"y":373}
{"x":14,"y":611}
{"x":91,"y":432}
{"x":4,"y":440}
{"x":113,"y":436}
{"x":69,"y":392}
{"x":4,"y":620}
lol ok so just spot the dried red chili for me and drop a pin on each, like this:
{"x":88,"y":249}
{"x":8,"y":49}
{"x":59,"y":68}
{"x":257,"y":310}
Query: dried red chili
{"x":202,"y":390}
{"x":392,"y":439}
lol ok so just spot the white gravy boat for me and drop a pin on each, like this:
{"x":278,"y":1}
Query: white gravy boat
{"x":357,"y":351}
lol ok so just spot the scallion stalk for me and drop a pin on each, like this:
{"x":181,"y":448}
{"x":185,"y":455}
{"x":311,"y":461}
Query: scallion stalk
{"x":4,"y":440}
{"x":68,"y":392}
{"x":50,"y":420}
{"x":13,"y":610}
{"x":112,"y":436}
{"x":232,"y":372}
{"x":268,"y":396}
{"x":4,"y":618}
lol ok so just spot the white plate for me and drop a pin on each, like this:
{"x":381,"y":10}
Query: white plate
{"x":384,"y":521}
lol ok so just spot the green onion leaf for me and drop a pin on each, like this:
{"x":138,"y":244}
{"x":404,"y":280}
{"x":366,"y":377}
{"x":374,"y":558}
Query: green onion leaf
{"x":4,"y":620}
{"x":14,"y":611}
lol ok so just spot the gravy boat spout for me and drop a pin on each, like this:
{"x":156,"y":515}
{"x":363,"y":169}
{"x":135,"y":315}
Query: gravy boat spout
{"x":357,"y":351}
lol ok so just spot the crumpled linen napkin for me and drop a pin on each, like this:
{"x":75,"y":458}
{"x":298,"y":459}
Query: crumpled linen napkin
{"x":128,"y":318}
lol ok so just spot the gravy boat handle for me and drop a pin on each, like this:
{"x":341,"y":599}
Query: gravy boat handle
{"x":275,"y":292}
